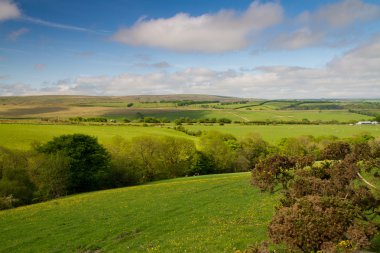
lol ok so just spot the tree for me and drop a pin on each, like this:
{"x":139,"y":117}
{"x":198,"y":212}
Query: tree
{"x":253,"y":148}
{"x":50,"y":174}
{"x":221,"y":149}
{"x":16,"y":188}
{"x":176,"y":155}
{"x":88,"y":160}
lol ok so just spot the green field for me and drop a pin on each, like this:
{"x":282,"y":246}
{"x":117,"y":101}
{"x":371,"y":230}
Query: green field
{"x":274,"y":133}
{"x":20,"y":136}
{"x":215,"y":213}
{"x":64,"y":107}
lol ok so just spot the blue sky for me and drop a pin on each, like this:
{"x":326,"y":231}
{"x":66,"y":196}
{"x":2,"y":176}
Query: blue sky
{"x":257,"y":49}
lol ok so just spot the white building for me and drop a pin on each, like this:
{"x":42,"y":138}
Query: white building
{"x":367,"y":123}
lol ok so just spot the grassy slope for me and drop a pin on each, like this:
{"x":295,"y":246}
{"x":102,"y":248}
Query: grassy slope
{"x":215,"y":213}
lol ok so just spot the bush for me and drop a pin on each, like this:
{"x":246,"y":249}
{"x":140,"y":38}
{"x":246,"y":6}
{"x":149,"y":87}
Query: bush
{"x":336,"y":150}
{"x":271,"y":171}
{"x":307,"y":225}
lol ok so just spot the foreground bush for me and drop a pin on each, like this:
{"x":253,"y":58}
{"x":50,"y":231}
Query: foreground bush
{"x":316,"y":223}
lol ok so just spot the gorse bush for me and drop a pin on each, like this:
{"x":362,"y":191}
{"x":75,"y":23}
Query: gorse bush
{"x":319,"y":194}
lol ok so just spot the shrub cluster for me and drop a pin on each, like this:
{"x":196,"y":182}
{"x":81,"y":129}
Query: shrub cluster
{"x":322,"y":185}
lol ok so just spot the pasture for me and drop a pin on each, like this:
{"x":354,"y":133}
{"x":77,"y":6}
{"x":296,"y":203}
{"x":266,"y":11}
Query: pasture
{"x":274,"y":133}
{"x":20,"y":136}
{"x":215,"y":213}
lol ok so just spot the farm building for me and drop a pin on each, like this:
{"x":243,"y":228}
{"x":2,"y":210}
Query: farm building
{"x":367,"y":123}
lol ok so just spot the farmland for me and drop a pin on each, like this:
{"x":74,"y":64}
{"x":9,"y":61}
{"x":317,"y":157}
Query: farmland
{"x":217,"y":213}
{"x":32,"y":111}
{"x":20,"y":136}
{"x":191,"y":106}
{"x":212,"y":213}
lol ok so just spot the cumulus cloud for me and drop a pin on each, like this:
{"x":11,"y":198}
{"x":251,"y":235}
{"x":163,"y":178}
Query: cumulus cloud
{"x":321,"y":26}
{"x":8,"y":10}
{"x":223,"y":31}
{"x":355,"y":74}
{"x":17,"y":33}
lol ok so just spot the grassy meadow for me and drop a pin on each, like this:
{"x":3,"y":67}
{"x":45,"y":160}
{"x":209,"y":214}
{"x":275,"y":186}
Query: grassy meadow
{"x":20,"y":136}
{"x":215,"y":213}
{"x":274,"y":133}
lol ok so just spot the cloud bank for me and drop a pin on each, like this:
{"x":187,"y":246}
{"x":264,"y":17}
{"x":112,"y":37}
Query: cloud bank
{"x":322,"y":26}
{"x":354,"y":74}
{"x":210,"y":33}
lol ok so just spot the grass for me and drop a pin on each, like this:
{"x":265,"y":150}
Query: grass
{"x":274,"y":133}
{"x":298,"y":115}
{"x":20,"y":136}
{"x":215,"y":213}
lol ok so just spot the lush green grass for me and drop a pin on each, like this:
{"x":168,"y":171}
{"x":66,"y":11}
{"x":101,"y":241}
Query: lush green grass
{"x":274,"y":133}
{"x":20,"y":136}
{"x":215,"y":213}
{"x":298,"y":115}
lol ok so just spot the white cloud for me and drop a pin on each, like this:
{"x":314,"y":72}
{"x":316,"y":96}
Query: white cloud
{"x":346,"y":12}
{"x":17,"y":33}
{"x":355,"y":74}
{"x":8,"y":10}
{"x":322,"y":26}
{"x":298,"y":39}
{"x":211,"y":33}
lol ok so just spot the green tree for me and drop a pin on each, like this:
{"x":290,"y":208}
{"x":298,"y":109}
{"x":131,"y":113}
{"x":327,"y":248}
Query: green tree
{"x":88,"y":160}
{"x":50,"y":174}
{"x":253,"y":148}
{"x":16,"y":188}
{"x":221,"y":149}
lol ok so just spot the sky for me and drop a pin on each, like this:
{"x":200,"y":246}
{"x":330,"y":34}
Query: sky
{"x":250,"y":49}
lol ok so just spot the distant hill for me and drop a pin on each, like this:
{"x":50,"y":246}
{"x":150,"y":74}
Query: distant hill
{"x":69,"y":100}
